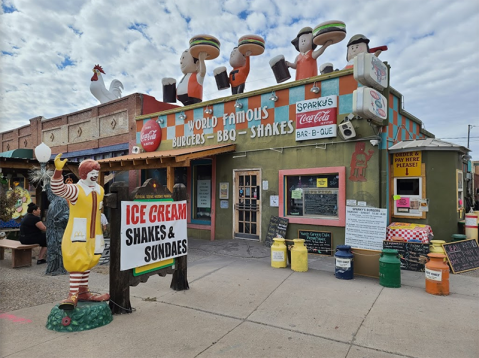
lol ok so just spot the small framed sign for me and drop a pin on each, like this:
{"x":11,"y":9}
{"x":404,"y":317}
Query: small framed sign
{"x":224,"y":190}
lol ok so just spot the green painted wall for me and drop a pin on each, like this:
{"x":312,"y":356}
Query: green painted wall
{"x":441,"y":191}
{"x":270,"y":162}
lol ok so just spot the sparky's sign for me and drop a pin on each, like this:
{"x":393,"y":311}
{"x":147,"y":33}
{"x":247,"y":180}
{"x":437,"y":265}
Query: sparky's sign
{"x":316,"y":118}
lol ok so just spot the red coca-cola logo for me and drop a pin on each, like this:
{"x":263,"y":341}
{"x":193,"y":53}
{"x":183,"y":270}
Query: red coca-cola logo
{"x":316,"y":118}
{"x":150,"y":136}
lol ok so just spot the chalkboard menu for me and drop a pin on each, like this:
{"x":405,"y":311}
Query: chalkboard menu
{"x":413,"y":255}
{"x":317,"y":242}
{"x":462,"y":255}
{"x":277,"y":227}
{"x":320,"y":202}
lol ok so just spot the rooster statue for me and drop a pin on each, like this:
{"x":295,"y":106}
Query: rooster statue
{"x":98,"y":89}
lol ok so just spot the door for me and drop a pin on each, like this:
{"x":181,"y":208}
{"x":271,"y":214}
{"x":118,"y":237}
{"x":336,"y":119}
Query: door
{"x":247,"y":205}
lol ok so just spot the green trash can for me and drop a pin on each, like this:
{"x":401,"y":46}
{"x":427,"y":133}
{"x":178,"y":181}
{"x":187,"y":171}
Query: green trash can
{"x":458,"y":237}
{"x":390,"y":268}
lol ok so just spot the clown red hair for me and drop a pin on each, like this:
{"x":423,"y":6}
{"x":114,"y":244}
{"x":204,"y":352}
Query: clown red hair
{"x":87,"y":166}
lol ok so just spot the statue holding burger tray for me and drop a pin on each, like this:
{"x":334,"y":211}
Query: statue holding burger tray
{"x":248,"y":45}
{"x":192,"y":62}
{"x":324,"y":35}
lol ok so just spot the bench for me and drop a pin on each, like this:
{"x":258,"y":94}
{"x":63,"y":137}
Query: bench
{"x":21,"y":254}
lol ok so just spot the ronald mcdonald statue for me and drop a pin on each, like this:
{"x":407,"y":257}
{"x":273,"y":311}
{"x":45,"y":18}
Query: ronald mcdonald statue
{"x":82,"y":243}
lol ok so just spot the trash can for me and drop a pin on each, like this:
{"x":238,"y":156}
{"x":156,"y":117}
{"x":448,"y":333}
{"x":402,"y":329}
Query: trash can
{"x":390,"y":268}
{"x":299,"y":256}
{"x":344,"y":263}
{"x":278,"y":253}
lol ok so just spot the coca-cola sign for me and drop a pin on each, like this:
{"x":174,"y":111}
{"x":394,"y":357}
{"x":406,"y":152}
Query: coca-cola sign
{"x":316,"y":118}
{"x":150,"y":136}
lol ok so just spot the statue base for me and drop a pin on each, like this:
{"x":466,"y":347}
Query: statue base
{"x":86,"y":315}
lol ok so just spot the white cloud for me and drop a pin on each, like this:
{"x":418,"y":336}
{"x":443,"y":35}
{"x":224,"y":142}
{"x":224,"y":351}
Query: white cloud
{"x":433,"y":50}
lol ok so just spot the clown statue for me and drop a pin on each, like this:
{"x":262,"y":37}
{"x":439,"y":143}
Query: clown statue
{"x":305,"y":62}
{"x":82,"y":243}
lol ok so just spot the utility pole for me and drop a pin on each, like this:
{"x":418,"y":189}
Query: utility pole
{"x":469,"y":126}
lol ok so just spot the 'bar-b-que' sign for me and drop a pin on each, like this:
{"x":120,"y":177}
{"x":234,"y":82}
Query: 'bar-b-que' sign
{"x":316,"y":118}
{"x":152,"y":232}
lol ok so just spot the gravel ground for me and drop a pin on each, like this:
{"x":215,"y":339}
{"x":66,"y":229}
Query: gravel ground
{"x":29,"y":286}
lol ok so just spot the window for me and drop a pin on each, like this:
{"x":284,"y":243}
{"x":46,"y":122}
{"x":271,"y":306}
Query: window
{"x":313,"y":196}
{"x":460,"y":189}
{"x":201,"y":192}
{"x":410,"y":192}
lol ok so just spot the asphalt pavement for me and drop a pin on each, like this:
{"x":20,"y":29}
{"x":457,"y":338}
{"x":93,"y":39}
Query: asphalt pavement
{"x":239,"y":306}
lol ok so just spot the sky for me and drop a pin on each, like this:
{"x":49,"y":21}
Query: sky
{"x":49,"y":48}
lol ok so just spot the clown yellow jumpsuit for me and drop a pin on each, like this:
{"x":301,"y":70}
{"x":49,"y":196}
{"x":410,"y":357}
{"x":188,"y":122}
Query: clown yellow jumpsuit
{"x":82,"y":243}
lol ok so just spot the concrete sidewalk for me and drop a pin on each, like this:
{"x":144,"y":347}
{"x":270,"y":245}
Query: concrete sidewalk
{"x":239,"y":306}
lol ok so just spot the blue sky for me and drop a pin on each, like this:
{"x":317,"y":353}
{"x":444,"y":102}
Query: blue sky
{"x":49,"y":47}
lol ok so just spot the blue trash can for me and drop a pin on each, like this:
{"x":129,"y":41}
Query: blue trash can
{"x":344,"y":268}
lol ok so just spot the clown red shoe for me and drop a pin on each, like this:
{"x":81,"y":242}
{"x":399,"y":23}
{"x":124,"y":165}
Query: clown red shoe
{"x":85,"y":295}
{"x":69,"y":303}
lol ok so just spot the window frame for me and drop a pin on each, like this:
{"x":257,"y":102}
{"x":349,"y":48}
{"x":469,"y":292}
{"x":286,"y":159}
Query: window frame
{"x":421,"y":195}
{"x":459,"y":189}
{"x":340,"y":220}
{"x":193,"y":193}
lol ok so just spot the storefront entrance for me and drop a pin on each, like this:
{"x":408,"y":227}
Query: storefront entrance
{"x":247,"y":204}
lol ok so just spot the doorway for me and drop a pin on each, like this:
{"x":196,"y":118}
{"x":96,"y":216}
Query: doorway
{"x":247,"y":204}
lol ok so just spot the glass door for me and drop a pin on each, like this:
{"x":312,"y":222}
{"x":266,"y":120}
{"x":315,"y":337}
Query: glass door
{"x":247,"y":207}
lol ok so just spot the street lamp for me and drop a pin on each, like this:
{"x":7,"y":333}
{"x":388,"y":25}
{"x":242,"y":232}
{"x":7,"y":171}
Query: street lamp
{"x":43,"y":154}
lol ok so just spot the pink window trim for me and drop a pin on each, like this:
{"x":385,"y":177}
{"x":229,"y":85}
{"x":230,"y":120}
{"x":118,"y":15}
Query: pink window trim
{"x":341,"y":171}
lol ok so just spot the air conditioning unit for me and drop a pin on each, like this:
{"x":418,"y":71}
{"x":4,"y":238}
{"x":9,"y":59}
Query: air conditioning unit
{"x":135,"y":150}
{"x":347,"y":130}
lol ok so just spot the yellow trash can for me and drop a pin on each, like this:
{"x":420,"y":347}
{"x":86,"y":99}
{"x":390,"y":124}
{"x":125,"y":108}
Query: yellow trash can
{"x":278,"y":253}
{"x":299,"y":256}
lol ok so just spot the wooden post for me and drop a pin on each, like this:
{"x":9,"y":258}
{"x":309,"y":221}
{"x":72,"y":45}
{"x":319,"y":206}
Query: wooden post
{"x":170,"y":178}
{"x":179,"y":282}
{"x":119,"y":280}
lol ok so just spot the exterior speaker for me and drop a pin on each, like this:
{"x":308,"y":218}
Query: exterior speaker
{"x":347,"y":130}
{"x":135,"y":150}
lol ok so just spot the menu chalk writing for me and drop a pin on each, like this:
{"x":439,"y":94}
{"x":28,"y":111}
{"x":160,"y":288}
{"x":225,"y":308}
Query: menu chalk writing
{"x":317,"y":242}
{"x":413,"y":255}
{"x":462,"y":255}
{"x":320,"y":202}
{"x":277,"y":228}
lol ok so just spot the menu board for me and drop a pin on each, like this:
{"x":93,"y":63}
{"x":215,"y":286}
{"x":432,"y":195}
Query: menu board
{"x":320,"y":202}
{"x":317,"y":242}
{"x":365,"y":227}
{"x":462,"y":255}
{"x":413,"y":255}
{"x":277,"y":227}
{"x":203,"y":196}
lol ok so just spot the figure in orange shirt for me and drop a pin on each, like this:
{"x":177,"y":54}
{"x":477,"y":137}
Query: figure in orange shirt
{"x":240,"y":72}
{"x":305,"y":63}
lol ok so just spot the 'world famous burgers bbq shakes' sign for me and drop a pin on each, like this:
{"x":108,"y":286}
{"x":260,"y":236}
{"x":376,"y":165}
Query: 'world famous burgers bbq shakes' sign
{"x":316,"y":118}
